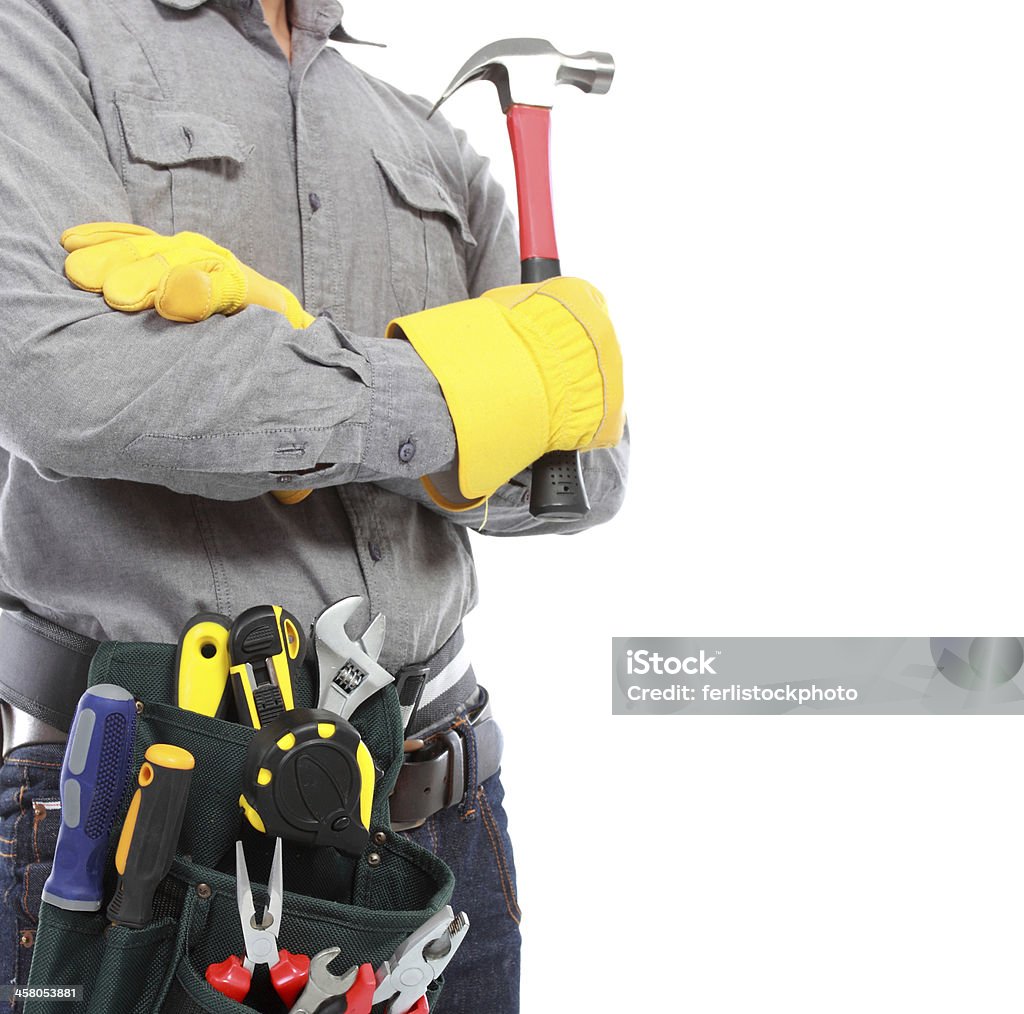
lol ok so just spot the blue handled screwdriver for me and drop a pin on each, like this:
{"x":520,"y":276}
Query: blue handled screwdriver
{"x":92,"y":784}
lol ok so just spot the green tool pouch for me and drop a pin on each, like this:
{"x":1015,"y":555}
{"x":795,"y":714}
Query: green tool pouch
{"x":366,"y":904}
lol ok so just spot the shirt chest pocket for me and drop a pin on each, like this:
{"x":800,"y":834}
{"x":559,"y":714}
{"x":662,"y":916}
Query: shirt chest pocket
{"x":185,"y":169}
{"x":428,"y":235}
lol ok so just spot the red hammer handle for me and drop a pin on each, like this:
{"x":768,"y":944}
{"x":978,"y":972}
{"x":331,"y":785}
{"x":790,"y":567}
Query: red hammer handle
{"x":529,"y":128}
{"x":557,"y":492}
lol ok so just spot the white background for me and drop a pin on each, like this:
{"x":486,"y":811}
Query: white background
{"x":808,"y":221}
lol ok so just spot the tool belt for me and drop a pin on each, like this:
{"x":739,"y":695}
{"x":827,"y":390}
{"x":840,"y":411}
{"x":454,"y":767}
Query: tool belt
{"x":366,"y":904}
{"x":44,"y":669}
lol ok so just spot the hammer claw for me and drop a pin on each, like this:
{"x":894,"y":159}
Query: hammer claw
{"x":526,"y":71}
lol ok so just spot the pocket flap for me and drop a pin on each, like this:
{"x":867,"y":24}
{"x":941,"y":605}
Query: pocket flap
{"x":167,"y":135}
{"x":420,"y":188}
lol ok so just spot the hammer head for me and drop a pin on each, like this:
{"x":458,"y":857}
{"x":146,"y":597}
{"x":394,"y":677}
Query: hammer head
{"x":526,"y":72}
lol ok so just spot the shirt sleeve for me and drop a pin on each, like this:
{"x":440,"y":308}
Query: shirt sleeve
{"x":228,"y":408}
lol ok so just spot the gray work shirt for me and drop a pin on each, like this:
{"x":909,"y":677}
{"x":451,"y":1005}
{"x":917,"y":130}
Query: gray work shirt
{"x":135,"y":453}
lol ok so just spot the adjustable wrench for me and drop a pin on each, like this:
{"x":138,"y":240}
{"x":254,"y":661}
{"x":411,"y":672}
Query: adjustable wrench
{"x":349,"y":671}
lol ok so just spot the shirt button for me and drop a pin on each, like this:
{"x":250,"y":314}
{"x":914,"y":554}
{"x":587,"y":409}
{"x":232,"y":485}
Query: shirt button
{"x":314,"y":202}
{"x":284,"y":480}
{"x":375,"y":552}
{"x":407,"y":452}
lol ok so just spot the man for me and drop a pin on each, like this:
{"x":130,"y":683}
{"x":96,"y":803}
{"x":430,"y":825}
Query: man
{"x":137,"y":451}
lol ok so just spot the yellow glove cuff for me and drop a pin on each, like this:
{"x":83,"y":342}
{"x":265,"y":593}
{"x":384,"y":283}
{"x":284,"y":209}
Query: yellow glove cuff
{"x":264,"y":292}
{"x":553,"y":316}
{"x":520,"y":374}
{"x":487,"y":380}
{"x":199,"y":288}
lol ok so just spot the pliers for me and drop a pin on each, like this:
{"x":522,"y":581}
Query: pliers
{"x":288,"y":972}
{"x":403,"y":979}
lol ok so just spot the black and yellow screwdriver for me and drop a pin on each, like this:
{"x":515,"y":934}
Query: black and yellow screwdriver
{"x":150,"y":833}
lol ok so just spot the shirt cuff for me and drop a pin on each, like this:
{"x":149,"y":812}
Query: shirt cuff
{"x":409,"y":432}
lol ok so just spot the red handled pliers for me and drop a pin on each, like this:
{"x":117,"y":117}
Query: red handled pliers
{"x":288,"y":972}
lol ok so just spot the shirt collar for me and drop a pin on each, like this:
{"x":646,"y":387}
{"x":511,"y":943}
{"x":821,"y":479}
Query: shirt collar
{"x":322,"y":15}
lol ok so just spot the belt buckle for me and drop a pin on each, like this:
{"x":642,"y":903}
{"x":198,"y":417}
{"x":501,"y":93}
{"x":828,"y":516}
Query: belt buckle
{"x":456,"y":780}
{"x":446,"y":744}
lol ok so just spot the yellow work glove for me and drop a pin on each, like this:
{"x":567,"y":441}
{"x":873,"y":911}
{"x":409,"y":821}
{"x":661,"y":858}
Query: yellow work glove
{"x":524,"y":369}
{"x":185,"y":277}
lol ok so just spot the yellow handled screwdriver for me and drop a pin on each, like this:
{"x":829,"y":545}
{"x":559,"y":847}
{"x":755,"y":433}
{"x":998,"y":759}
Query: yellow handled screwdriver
{"x":150,"y":833}
{"x":202,"y":665}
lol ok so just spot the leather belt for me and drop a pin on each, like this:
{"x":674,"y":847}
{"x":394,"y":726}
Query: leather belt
{"x":44,"y":668}
{"x":437,"y":765}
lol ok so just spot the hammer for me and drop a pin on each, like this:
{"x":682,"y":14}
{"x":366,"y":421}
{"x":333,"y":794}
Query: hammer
{"x":526,"y":73}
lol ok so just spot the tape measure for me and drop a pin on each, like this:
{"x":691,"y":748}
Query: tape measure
{"x":309,"y":777}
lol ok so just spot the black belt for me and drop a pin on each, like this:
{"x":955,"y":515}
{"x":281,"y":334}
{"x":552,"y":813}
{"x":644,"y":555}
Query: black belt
{"x":438,"y":773}
{"x":44,"y":668}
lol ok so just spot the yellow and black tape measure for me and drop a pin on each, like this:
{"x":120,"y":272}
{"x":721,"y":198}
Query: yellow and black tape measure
{"x":309,"y":777}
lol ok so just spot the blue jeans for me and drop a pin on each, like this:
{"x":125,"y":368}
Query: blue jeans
{"x":29,"y":821}
{"x":472,"y":838}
